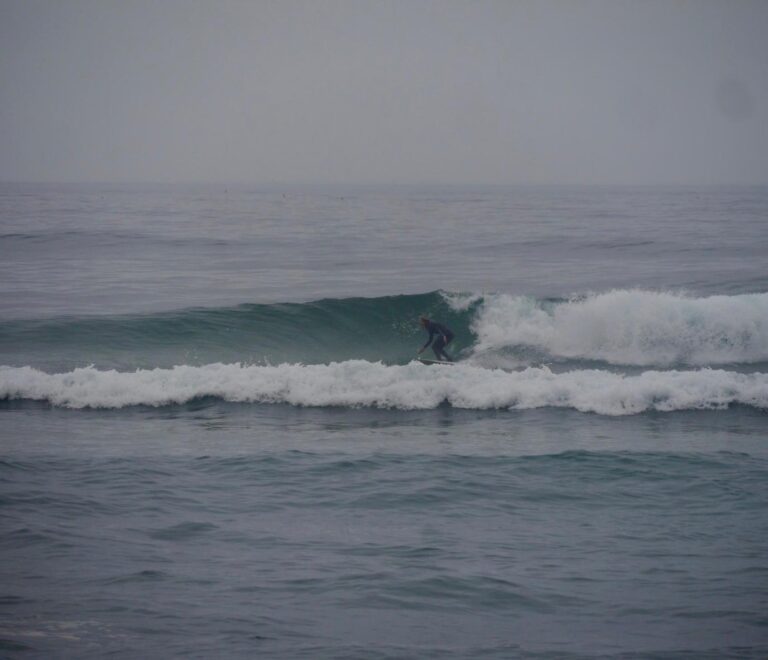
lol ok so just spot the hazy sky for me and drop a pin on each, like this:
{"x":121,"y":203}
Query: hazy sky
{"x":668,"y":91}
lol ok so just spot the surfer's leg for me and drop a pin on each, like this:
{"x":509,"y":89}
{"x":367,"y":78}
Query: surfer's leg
{"x":447,"y":357}
{"x":437,"y":347}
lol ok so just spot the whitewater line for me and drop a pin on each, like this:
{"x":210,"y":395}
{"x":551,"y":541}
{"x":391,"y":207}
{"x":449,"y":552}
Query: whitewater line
{"x":357,"y":383}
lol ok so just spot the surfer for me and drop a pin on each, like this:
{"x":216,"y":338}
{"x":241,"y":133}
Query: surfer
{"x":440,"y":334}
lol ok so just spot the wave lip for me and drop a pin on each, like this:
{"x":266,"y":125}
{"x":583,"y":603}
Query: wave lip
{"x":358,"y":383}
{"x":630,"y":327}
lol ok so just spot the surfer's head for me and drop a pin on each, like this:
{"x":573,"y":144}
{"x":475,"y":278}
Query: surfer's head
{"x":423,"y":320}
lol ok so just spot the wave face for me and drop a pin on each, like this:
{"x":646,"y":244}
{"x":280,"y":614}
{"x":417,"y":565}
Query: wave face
{"x":639,"y":328}
{"x":358,"y":352}
{"x":382,"y":328}
{"x":358,"y":383}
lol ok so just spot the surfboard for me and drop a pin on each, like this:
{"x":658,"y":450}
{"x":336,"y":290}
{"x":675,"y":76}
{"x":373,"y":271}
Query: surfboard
{"x":428,"y":362}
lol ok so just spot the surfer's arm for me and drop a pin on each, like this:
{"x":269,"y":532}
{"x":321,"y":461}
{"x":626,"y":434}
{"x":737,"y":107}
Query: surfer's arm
{"x":429,"y":341}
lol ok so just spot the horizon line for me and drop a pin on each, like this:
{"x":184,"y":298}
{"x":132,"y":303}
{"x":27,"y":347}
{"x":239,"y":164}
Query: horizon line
{"x":381,"y":184}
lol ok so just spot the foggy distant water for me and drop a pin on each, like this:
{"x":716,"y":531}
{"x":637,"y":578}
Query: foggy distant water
{"x":121,"y":249}
{"x":214,"y":441}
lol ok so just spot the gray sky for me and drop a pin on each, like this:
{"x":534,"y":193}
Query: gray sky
{"x":570,"y":91}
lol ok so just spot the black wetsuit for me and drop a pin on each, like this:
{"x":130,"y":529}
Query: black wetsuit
{"x":444,"y":337}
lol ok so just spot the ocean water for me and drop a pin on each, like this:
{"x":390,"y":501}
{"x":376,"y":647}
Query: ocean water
{"x":215,"y":440}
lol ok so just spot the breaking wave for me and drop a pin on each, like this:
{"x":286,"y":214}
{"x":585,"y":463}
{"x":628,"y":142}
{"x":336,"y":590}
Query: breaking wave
{"x":358,"y":383}
{"x":626,"y":327}
{"x":357,"y":352}
{"x":622,"y":327}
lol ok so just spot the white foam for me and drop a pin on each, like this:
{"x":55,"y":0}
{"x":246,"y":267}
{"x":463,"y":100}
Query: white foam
{"x":360,"y":383}
{"x":630,"y":327}
{"x":460,"y":302}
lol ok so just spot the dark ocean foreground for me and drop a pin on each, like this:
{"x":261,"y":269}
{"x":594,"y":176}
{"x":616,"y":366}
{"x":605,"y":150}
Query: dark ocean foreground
{"x":214,"y":441}
{"x":213,"y":529}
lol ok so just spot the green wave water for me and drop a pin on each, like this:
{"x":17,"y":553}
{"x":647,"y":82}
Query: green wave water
{"x":384,"y":328}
